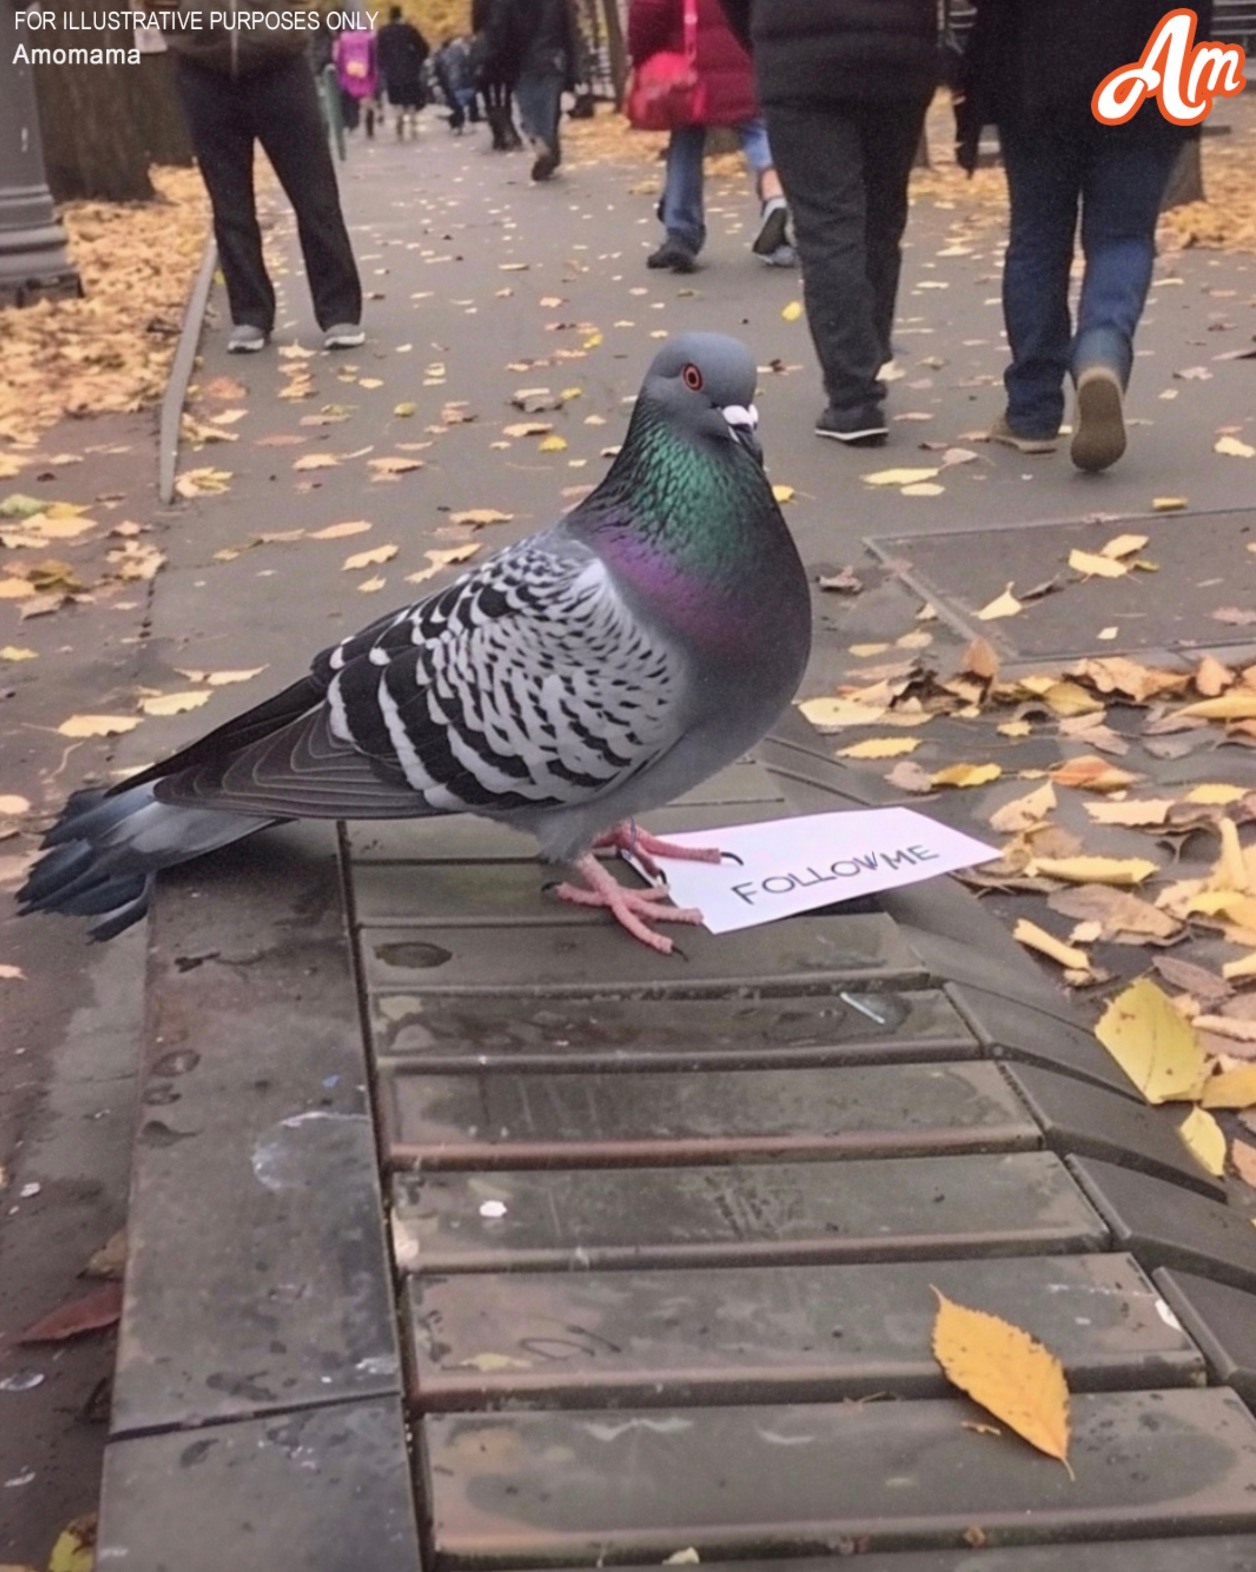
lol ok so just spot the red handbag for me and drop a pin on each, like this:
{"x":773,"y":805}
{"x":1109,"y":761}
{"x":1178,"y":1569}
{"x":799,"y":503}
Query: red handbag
{"x":666,"y":90}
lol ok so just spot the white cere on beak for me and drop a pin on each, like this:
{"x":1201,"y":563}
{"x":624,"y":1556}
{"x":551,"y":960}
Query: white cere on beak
{"x":742,"y":415}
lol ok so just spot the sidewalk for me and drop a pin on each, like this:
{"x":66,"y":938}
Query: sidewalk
{"x":902,"y":1099}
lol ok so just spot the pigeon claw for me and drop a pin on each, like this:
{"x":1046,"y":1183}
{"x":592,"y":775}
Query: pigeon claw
{"x":629,"y":837}
{"x":631,"y":909}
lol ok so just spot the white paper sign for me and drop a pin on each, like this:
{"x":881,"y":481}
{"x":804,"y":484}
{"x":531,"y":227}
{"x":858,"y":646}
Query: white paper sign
{"x":783,"y":866}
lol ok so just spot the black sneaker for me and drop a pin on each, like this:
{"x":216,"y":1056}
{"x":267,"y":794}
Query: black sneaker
{"x":675,"y":254}
{"x":773,"y":228}
{"x":863,"y":427}
{"x":547,"y":158}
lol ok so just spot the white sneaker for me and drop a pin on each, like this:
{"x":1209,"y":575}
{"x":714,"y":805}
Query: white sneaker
{"x":344,"y":335}
{"x":246,"y":339}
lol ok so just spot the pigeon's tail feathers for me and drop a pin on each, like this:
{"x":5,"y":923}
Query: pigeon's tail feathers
{"x":102,"y":855}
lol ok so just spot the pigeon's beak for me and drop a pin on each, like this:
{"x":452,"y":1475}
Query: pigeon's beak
{"x":743,"y":425}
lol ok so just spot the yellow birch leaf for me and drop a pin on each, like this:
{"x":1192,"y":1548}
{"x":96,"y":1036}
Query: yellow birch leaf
{"x":1209,"y":794}
{"x":1007,"y":1371}
{"x":967,"y":775}
{"x":981,"y":660}
{"x":867,"y":651}
{"x":1168,"y":504}
{"x":1091,"y":563}
{"x":14,"y":804}
{"x":1239,"y":705}
{"x":1231,"y":865}
{"x":792,"y":312}
{"x":371,"y":586}
{"x":222,"y":679}
{"x":393,"y":464}
{"x":1005,"y":605}
{"x":828,"y":715}
{"x":476,"y":517}
{"x":1123,"y":546}
{"x":17,"y":652}
{"x":1231,"y":1089}
{"x":1021,"y":812}
{"x":440,"y":560}
{"x":405,"y":410}
{"x":1234,"y":448}
{"x":10,"y":973}
{"x":923,"y":488}
{"x":783,"y":493}
{"x":16,"y":589}
{"x":1133,"y":815}
{"x":1035,"y":938}
{"x":316,"y":461}
{"x":98,"y":725}
{"x":552,"y":444}
{"x":1014,"y":728}
{"x":339,"y":531}
{"x":899,"y":477}
{"x":175,"y":703}
{"x":369,"y":559}
{"x":1089,"y":772}
{"x":880,"y":748}
{"x":75,"y":1549}
{"x":1232,"y":1026}
{"x":1239,"y":971}
{"x":1121,"y":871}
{"x":1153,"y":1044}
{"x":1202,"y":1137}
{"x":527,"y":428}
{"x":1212,"y":678}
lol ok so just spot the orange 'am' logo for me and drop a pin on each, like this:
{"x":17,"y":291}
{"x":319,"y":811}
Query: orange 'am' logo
{"x":1182,"y":75}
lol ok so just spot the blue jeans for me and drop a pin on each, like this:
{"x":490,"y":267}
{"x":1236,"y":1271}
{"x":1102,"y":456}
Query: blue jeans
{"x":1119,"y":186}
{"x":680,"y":207}
{"x":539,"y":97}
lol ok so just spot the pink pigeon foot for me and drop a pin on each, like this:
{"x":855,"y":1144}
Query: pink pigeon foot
{"x":627,"y":837}
{"x":631,"y":909}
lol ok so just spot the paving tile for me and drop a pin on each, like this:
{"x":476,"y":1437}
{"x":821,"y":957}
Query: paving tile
{"x":324,"y":1489}
{"x":771,"y":1334}
{"x":507,"y":1489}
{"x":504,"y":1119}
{"x":1222,"y":1320}
{"x":1081,"y":1119}
{"x":1216,"y":1553}
{"x":1164,"y":1224}
{"x":799,"y":955}
{"x":921,"y":1208}
{"x":1012,"y":1029}
{"x":257,"y":1276}
{"x":849,"y":1027}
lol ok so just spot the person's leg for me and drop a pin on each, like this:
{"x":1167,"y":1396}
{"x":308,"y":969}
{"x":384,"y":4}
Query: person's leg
{"x":222,"y":139}
{"x":539,"y":96}
{"x":285,"y":118}
{"x":819,"y":157}
{"x":772,"y":240}
{"x":1042,"y":180}
{"x":680,"y":208}
{"x":890,"y":135}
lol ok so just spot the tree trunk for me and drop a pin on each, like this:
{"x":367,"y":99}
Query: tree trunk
{"x":159,"y":114}
{"x":90,"y":118}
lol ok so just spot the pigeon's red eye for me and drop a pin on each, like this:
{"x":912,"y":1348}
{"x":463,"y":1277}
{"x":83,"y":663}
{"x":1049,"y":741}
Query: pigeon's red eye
{"x":693,"y":378}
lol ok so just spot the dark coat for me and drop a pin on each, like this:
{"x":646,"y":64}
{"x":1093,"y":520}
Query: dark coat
{"x":1035,"y":64}
{"x":401,"y":50}
{"x":529,"y":38}
{"x":838,"y":51}
{"x":723,"y":63}
{"x":230,"y":51}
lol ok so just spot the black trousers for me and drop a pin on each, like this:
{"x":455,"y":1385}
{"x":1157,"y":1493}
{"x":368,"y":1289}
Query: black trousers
{"x":845,"y":168}
{"x":277,"y":106}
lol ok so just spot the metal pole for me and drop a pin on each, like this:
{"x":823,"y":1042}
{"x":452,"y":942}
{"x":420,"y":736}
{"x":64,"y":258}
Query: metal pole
{"x":34,"y":260}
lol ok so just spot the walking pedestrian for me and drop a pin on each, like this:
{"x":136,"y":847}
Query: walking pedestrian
{"x":723,"y":67}
{"x":453,"y":72}
{"x":1031,"y":68}
{"x":357,"y":71}
{"x":239,"y":86}
{"x":536,"y":40}
{"x":495,"y":71}
{"x":400,"y":50}
{"x":844,"y":85}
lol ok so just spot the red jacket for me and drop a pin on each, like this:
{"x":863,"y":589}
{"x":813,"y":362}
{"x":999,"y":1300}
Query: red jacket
{"x":722,"y":62}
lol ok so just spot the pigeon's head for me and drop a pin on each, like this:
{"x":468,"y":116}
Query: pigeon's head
{"x":706,"y":382}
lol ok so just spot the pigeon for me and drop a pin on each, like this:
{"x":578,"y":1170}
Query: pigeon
{"x":570,"y":682}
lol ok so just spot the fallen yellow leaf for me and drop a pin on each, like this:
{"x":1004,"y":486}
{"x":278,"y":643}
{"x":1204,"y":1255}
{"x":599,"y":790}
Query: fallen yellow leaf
{"x":1234,"y":448}
{"x":1231,"y":1089}
{"x":14,"y":804}
{"x":1121,"y":871}
{"x":1014,"y":728}
{"x":406,"y":409}
{"x":476,"y":517}
{"x":16,"y":589}
{"x":880,"y":748}
{"x":981,"y":660}
{"x":1123,"y":546}
{"x":1092,"y":564}
{"x":1202,"y":1137}
{"x":1157,"y":1049}
{"x":1035,"y":938}
{"x":371,"y":586}
{"x":1167,"y":504}
{"x":316,"y":461}
{"x":98,"y":725}
{"x":553,"y":443}
{"x":923,"y":488}
{"x":221,"y":679}
{"x":899,"y":477}
{"x":961,"y":775}
{"x":440,"y":560}
{"x":1021,"y":812}
{"x":16,"y":652}
{"x":369,"y":559}
{"x":1238,"y":971}
{"x":792,"y":312}
{"x":829,"y":715}
{"x":1005,"y":605}
{"x":1007,"y":1371}
{"x":1227,"y":706}
{"x":339,"y":531}
{"x":393,"y":464}
{"x":1243,"y":1156}
{"x":1133,"y":815}
{"x":1209,"y":794}
{"x":1089,"y":772}
{"x":783,"y":493}
{"x":175,"y":703}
